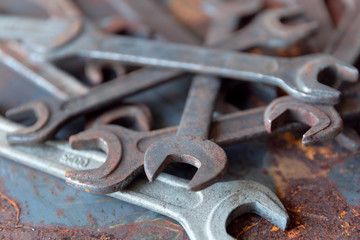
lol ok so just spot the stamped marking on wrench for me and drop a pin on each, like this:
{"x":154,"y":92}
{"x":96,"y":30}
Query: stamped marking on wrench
{"x":226,"y":130}
{"x":204,"y":214}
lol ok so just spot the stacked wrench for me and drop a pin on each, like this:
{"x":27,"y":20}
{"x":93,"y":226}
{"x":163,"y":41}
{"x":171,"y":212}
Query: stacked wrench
{"x":168,"y":195}
{"x":201,"y":135}
{"x":122,"y":166}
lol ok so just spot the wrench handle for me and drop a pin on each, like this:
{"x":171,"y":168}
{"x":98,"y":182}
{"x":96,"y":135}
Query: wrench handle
{"x":200,"y":103}
{"x":187,"y":58}
{"x":115,"y":90}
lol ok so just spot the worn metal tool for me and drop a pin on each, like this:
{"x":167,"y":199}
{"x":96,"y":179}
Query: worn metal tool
{"x":126,"y":148}
{"x":57,"y":113}
{"x":190,"y":145}
{"x":204,"y":214}
{"x":294,"y":75}
{"x":64,"y":86}
{"x":287,"y":109}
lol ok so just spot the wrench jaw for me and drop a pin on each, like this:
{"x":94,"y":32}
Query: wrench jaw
{"x":324,"y":120}
{"x":307,"y":70}
{"x":121,"y":166}
{"x":249,"y":197}
{"x":94,"y":180}
{"x":138,"y":114}
{"x":45,"y":126}
{"x":26,"y":135}
{"x":97,"y":139}
{"x":276,"y":34}
{"x":208,"y":157}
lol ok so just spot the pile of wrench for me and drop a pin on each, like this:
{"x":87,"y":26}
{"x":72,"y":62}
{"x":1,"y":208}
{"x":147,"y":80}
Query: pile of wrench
{"x":318,"y":76}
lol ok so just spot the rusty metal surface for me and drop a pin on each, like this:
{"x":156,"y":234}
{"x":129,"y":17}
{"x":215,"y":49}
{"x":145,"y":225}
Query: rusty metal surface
{"x":319,"y":186}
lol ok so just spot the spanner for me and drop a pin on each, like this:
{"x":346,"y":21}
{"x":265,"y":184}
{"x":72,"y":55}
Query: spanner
{"x":57,"y":113}
{"x":126,"y":148}
{"x":62,"y":85}
{"x":190,"y":144}
{"x":296,"y":75}
{"x":204,"y":214}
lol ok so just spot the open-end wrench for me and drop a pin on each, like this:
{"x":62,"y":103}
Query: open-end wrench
{"x":190,"y":144}
{"x":296,"y":76}
{"x":287,"y":109}
{"x":126,"y":148}
{"x":204,"y":214}
{"x":134,"y":116}
{"x":57,"y":113}
{"x":228,"y":14}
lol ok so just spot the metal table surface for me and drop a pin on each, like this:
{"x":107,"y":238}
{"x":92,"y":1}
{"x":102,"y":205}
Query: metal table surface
{"x":319,"y":186}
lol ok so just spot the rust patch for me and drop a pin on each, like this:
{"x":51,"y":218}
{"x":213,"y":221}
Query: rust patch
{"x":316,"y":206}
{"x":69,"y":199}
{"x":60,"y":213}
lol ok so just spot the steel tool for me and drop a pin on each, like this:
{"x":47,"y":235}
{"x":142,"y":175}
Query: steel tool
{"x":57,"y":113}
{"x":204,"y":214}
{"x":296,"y":76}
{"x":63,"y":86}
{"x":190,"y":144}
{"x":277,"y":113}
{"x":126,"y":148}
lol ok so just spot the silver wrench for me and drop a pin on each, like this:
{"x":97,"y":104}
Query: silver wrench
{"x":204,"y":214}
{"x":296,"y":76}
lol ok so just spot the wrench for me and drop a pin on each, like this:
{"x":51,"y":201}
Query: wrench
{"x":57,"y":113}
{"x":126,"y":148}
{"x":204,"y":214}
{"x":296,"y":75}
{"x":65,"y":86}
{"x":190,"y":144}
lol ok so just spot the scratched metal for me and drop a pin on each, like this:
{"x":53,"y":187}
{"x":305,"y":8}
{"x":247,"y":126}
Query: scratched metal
{"x":319,"y":185}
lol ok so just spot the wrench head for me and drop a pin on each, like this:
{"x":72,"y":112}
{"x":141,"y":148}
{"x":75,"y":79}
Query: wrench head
{"x":278,"y":34}
{"x":97,"y":139}
{"x":324,"y":120}
{"x":41,"y":130}
{"x":124,"y":160}
{"x":240,"y":197}
{"x":207,"y":156}
{"x":138,"y":116}
{"x":306,"y":73}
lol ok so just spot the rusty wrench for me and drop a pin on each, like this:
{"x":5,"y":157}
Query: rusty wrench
{"x":55,"y":113}
{"x":190,"y":144}
{"x":204,"y":214}
{"x":126,"y":148}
